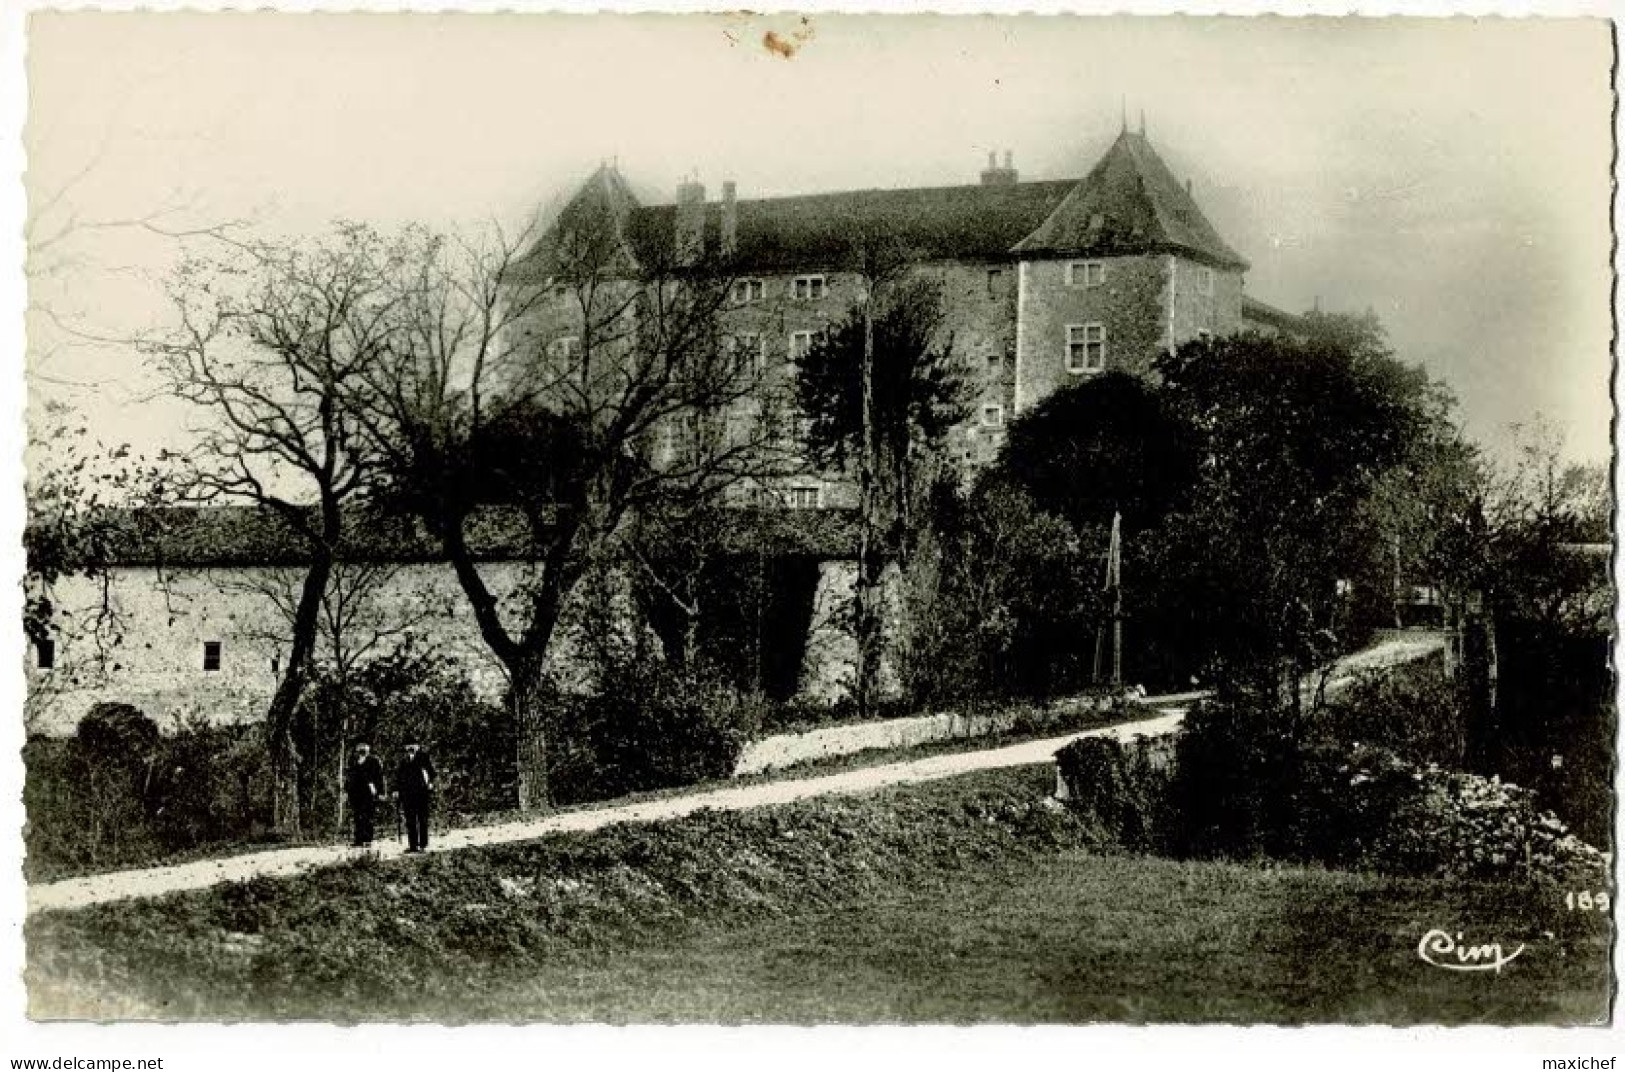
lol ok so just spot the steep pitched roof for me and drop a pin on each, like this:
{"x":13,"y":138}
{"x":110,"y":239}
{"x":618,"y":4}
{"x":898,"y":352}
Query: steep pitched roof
{"x":935,"y":223}
{"x":1130,"y":203}
{"x":1259,"y":312}
{"x":816,"y":230}
{"x":604,"y":205}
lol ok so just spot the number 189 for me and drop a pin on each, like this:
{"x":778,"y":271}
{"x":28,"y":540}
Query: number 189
{"x":1586,"y":901}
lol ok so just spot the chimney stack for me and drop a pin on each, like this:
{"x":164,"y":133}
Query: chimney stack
{"x":994,"y":175}
{"x":730,"y":219}
{"x":690,"y":221}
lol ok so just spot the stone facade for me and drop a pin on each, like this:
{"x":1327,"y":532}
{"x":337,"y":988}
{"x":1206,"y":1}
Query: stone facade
{"x":1044,"y":284}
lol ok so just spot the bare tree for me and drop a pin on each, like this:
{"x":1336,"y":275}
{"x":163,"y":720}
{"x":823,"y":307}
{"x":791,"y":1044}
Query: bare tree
{"x":356,"y":623}
{"x":268,"y":345}
{"x":81,"y":496}
{"x":582,"y":384}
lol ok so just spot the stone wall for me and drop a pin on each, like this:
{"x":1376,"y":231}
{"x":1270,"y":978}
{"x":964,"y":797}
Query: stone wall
{"x":1130,"y":303}
{"x":787,"y":749}
{"x":150,"y":652}
{"x":1194,"y":311}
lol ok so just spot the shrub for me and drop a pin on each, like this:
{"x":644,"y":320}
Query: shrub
{"x":116,"y":734}
{"x":1121,"y":791}
{"x":1458,"y":824}
{"x":1247,"y":786}
{"x":410,"y":694}
{"x":1417,"y":711}
{"x":998,"y":596}
{"x":657,"y":727}
{"x":118,"y":794}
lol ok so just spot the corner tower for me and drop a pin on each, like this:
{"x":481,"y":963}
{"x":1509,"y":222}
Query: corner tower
{"x":1125,"y":268}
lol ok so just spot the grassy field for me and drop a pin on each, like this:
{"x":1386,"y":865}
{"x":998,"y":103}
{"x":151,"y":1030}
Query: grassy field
{"x":967,"y":900}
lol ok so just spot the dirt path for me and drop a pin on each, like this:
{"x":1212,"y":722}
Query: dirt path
{"x":152,"y":882}
{"x":122,"y":885}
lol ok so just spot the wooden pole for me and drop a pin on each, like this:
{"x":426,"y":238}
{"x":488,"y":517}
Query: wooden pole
{"x":1115,"y":567}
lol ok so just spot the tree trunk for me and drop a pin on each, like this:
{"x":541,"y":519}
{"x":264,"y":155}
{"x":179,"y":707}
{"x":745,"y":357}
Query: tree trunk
{"x":530,"y":714}
{"x":284,"y":757}
{"x":865,"y":625}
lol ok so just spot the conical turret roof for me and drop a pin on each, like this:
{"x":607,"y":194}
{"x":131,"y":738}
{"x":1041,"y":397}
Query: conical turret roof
{"x":1130,"y":203}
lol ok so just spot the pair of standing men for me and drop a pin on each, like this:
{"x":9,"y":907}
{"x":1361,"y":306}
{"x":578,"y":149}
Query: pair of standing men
{"x":414,"y":785}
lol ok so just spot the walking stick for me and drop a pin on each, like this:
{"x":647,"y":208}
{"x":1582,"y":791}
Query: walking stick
{"x":398,"y":823}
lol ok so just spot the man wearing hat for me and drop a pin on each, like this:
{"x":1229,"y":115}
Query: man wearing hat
{"x":414,"y":782}
{"x":363,"y":783}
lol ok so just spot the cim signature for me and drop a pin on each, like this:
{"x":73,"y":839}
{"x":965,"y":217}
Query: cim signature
{"x":1468,"y":958}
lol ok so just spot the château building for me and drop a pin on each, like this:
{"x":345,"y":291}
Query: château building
{"x":1043,"y":283}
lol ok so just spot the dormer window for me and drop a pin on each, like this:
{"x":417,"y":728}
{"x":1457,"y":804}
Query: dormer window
{"x":749,"y":290}
{"x":1085,"y":348}
{"x":1086,"y":273}
{"x":807,"y":288}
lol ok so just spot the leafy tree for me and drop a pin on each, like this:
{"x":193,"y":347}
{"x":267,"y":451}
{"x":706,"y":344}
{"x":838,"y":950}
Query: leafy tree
{"x":1542,"y":513}
{"x":1109,"y":443}
{"x":881,"y":389}
{"x":1010,"y":605}
{"x":1291,"y":437}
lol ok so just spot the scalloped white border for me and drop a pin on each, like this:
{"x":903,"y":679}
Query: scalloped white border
{"x":592,"y":1049}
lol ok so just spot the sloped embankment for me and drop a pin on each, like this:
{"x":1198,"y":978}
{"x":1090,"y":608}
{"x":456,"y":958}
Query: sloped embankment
{"x":380,"y":940}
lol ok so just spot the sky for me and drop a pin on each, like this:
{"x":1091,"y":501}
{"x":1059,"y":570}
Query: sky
{"x":1452,"y":175}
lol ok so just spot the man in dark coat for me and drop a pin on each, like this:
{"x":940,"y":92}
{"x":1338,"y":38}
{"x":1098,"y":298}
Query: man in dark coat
{"x":414,"y":783}
{"x":363,"y":784}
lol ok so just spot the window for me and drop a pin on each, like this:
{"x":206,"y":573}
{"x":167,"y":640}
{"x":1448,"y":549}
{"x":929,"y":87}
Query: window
{"x":1204,"y":280}
{"x":807,"y":287}
{"x":1203,"y":334}
{"x":804,"y":498}
{"x":564,"y":346}
{"x":995,"y":282}
{"x":992,"y":415}
{"x":1085,"y":347}
{"x":211,"y":655}
{"x":1086,"y":273}
{"x":45,"y":653}
{"x":801,"y":343}
{"x":995,"y":365}
{"x":749,"y":290}
{"x":749,"y":354}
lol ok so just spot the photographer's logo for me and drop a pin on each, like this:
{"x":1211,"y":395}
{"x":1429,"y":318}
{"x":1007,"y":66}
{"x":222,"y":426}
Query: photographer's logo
{"x":1443,"y":950}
